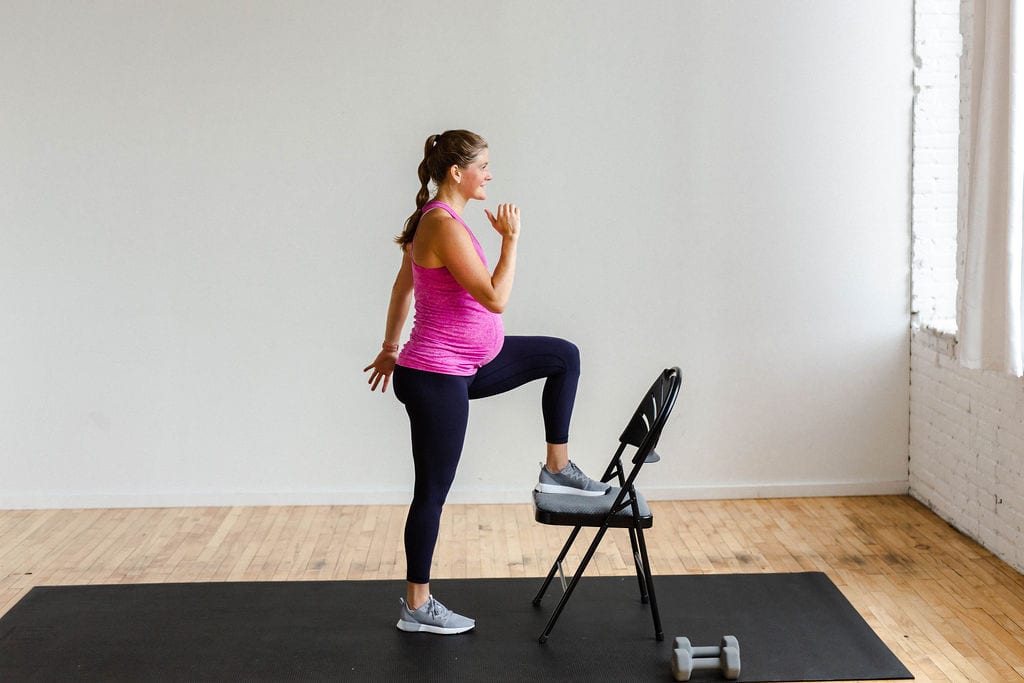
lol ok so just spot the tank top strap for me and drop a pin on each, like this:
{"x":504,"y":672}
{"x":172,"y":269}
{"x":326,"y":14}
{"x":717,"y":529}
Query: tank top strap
{"x":451,"y":212}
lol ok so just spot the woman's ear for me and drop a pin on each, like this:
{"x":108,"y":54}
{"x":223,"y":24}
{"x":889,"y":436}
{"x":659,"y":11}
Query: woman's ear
{"x":456,"y":173}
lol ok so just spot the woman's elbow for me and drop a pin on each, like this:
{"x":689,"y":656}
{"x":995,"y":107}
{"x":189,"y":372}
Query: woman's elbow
{"x":494,"y":301}
{"x":495,"y":306}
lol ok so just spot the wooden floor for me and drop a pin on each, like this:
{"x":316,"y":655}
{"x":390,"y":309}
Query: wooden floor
{"x":948,"y":608}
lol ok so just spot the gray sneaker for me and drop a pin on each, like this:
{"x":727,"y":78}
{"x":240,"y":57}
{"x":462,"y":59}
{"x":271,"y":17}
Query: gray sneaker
{"x":433,"y":617}
{"x":570,"y":480}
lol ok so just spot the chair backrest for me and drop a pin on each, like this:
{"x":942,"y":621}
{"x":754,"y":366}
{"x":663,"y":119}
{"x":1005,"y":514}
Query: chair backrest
{"x":644,"y":428}
{"x":643,"y":431}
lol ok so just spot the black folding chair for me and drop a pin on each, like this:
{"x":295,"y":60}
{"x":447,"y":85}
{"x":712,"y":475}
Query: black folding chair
{"x":622,"y":507}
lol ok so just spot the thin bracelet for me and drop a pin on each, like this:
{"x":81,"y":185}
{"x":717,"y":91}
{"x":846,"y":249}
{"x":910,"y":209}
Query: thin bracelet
{"x":389,"y":346}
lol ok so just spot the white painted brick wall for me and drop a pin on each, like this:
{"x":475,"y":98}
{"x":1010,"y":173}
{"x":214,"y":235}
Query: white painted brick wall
{"x":937,"y":51}
{"x":967,"y":445}
{"x":966,"y":426}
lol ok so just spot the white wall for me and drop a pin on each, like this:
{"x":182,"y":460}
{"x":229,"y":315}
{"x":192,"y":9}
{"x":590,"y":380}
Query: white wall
{"x":196,"y":202}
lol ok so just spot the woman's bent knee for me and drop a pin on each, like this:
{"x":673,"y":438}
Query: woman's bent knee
{"x":570,"y":354}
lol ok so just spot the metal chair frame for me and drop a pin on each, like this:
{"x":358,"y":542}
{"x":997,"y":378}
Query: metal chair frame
{"x":624,"y":509}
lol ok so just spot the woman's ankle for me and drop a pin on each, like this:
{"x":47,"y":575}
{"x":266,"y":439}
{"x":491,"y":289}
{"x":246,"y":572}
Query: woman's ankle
{"x":416,"y":594}
{"x":557,"y":457}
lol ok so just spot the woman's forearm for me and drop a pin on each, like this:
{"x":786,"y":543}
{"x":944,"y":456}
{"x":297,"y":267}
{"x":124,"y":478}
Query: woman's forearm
{"x":400,"y":303}
{"x":504,"y":275}
{"x":398,"y":311}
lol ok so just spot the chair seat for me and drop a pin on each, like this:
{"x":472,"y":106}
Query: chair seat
{"x":563,"y":509}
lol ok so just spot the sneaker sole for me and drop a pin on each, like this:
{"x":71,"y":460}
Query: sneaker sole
{"x":414,"y":627}
{"x":555,"y":488}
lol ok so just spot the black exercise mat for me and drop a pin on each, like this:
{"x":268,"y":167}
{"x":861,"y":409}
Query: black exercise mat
{"x":791,"y":627}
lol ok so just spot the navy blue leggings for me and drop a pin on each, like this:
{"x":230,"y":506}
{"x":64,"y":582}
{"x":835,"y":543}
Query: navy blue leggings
{"x":438,"y":408}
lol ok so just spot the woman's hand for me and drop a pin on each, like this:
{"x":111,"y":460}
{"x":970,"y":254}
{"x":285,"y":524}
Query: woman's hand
{"x":383,"y":365}
{"x":506,"y":222}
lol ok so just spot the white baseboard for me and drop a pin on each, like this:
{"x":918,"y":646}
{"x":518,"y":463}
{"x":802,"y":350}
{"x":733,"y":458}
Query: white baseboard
{"x":76,"y":501}
{"x":40,"y":501}
{"x":793,"y":490}
{"x":718,"y":492}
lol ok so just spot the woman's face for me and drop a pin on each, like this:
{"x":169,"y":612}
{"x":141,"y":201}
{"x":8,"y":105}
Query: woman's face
{"x":473,"y":178}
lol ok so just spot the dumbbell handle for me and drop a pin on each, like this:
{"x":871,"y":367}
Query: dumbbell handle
{"x":705,"y":663}
{"x":683,"y":643}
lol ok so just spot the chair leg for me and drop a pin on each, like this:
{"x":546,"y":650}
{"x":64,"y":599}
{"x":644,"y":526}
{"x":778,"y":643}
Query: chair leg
{"x":557,"y":563}
{"x":658,"y":632}
{"x":641,"y":579}
{"x":572,"y":584}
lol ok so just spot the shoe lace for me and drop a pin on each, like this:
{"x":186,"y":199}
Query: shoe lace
{"x":437,"y":610}
{"x":573,"y":472}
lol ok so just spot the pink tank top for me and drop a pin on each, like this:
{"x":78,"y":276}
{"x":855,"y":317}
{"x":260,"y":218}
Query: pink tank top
{"x":452,"y":333}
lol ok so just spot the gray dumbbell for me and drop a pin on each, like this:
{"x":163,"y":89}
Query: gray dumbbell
{"x":683,"y":643}
{"x":684,"y":664}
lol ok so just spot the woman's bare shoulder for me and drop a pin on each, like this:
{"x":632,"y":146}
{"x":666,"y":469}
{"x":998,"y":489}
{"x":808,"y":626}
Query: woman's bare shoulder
{"x":439,"y":225}
{"x":437,"y":233}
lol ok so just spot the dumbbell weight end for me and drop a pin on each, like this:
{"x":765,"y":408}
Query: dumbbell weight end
{"x":730,"y":663}
{"x":682,"y":664}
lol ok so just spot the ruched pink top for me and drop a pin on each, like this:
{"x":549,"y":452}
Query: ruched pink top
{"x":452,"y":333}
